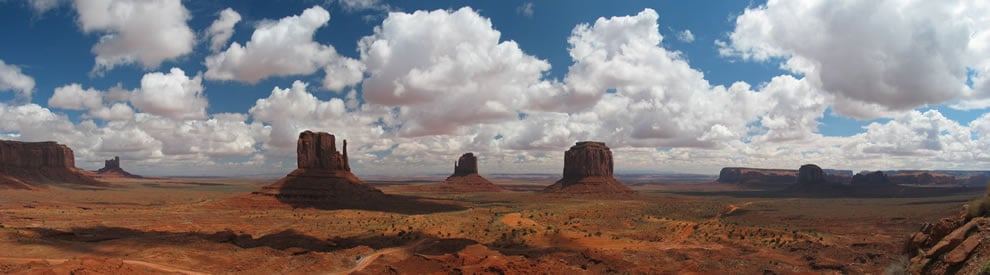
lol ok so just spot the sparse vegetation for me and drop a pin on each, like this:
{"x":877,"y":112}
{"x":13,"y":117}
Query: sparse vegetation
{"x":980,"y":206}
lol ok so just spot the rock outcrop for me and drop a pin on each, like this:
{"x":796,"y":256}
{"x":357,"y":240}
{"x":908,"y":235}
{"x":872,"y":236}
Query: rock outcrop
{"x":756,"y":176}
{"x":872,"y":179}
{"x":111,"y":169}
{"x":812,"y":181}
{"x":954,"y":245}
{"x":466,"y":177}
{"x":922,"y":178}
{"x":588,"y":170}
{"x":323,"y":178}
{"x":465,"y":165}
{"x":810,"y":174}
{"x":25,"y":165}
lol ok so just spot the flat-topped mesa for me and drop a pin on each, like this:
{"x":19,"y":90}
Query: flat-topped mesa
{"x":588,"y":159}
{"x":318,"y":151}
{"x":25,"y":164}
{"x":47,"y":154}
{"x":467,"y":164}
{"x":874,"y":179}
{"x":588,"y":169}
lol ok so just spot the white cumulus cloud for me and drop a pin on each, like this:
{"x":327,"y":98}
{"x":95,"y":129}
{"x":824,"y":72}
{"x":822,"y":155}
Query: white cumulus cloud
{"x":447,"y":69}
{"x":12,"y":79}
{"x":874,"y":56}
{"x":147,"y":32}
{"x":222,"y":29}
{"x":173,"y":95}
{"x":283,"y":48}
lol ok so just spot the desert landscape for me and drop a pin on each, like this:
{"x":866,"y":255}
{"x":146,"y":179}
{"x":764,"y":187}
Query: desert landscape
{"x":321,"y":218}
{"x":494,"y":137}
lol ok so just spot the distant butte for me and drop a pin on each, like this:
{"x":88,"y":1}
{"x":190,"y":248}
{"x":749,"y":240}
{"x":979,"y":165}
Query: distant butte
{"x":111,"y":169}
{"x":25,"y":165}
{"x":466,"y":177}
{"x":588,"y":170}
{"x":323,"y":176}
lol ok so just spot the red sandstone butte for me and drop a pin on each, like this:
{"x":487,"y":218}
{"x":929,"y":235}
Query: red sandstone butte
{"x":111,"y":168}
{"x":588,"y":171}
{"x":323,"y":176}
{"x":25,"y":165}
{"x":466,"y":177}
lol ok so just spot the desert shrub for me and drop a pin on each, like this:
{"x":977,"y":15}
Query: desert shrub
{"x":898,"y":267}
{"x":985,"y":268}
{"x":980,"y":206}
{"x":977,"y":207}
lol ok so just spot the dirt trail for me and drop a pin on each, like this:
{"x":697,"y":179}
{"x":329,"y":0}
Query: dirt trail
{"x":732,"y":209}
{"x":130,"y":262}
{"x":365,"y":261}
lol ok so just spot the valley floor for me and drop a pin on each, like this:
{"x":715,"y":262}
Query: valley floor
{"x":186,"y":226}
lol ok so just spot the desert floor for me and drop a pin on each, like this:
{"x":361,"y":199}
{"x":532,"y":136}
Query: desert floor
{"x":190,"y":226}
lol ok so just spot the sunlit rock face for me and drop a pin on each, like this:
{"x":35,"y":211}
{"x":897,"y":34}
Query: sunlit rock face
{"x":588,"y":169}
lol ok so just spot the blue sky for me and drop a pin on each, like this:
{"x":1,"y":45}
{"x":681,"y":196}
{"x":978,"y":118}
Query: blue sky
{"x":733,"y":94}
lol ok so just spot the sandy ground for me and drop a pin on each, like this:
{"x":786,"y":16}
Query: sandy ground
{"x":185,"y":226}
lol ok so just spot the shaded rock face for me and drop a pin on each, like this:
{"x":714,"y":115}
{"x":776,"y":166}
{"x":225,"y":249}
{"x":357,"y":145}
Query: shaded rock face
{"x":877,"y":178}
{"x":25,"y":164}
{"x":757,"y":176}
{"x":33,"y":155}
{"x":111,"y":168}
{"x":318,"y":151}
{"x":588,"y":159}
{"x":323,"y":178}
{"x":810,"y":174}
{"x":111,"y":164}
{"x":466,"y":165}
{"x":922,"y":178}
{"x":466,"y":178}
{"x":588,"y":170}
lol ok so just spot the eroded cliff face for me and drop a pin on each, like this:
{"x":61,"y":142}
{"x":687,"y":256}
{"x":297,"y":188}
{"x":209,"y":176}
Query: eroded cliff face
{"x":323,"y":177}
{"x":756,"y":176}
{"x":588,"y":159}
{"x":466,"y":177}
{"x":111,"y":169}
{"x":877,"y":178}
{"x":25,"y":165}
{"x":318,"y":151}
{"x":467,"y":164}
{"x":588,"y":169}
{"x":34,"y":155}
{"x":810,"y":174}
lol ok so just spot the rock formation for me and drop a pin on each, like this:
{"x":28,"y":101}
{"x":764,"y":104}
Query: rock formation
{"x":323,"y":177}
{"x":466,"y":165}
{"x":812,"y":180}
{"x":874,"y":179}
{"x":954,"y":245}
{"x":466,"y":178}
{"x":922,"y":178}
{"x":810,"y":174}
{"x":588,"y":170}
{"x":111,"y":168}
{"x":756,"y":176}
{"x":24,"y":165}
